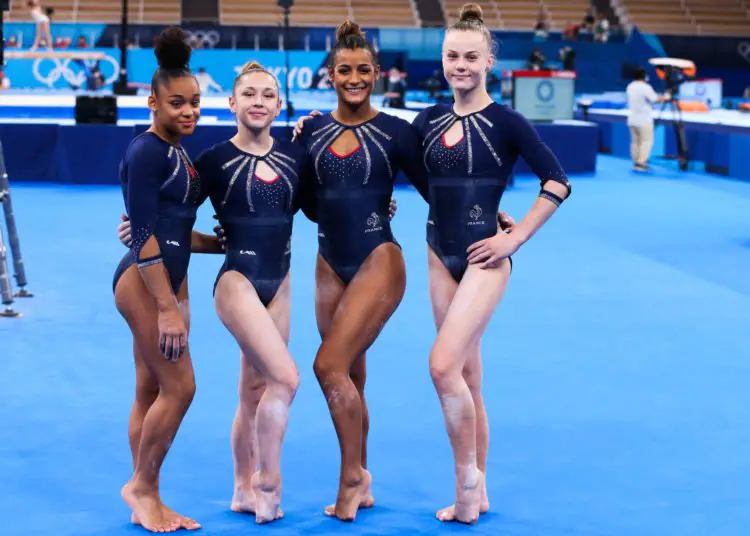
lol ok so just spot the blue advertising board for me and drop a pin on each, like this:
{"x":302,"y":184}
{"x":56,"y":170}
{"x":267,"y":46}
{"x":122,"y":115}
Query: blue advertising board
{"x":305,"y":70}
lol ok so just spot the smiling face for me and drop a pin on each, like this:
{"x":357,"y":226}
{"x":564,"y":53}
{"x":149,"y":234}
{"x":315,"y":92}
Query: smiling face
{"x":466,"y":59}
{"x":177,"y":106}
{"x":256,"y":101}
{"x":354,"y":74}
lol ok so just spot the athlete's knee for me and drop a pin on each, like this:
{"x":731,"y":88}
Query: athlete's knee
{"x":327,"y":367}
{"x":359,"y":377}
{"x":443,"y":365}
{"x":287,"y":383}
{"x":323,"y":368}
{"x":181,"y":388}
{"x":473,"y":378}
{"x":251,"y":391}
{"x":146,"y":390}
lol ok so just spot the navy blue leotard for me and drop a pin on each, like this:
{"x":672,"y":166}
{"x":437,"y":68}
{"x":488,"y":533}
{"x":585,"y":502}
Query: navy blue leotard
{"x":467,"y":179}
{"x":256,"y":214}
{"x":162,"y":191}
{"x":352,"y":192}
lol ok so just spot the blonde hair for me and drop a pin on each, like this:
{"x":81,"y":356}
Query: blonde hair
{"x":253,"y":66}
{"x":471,"y":19}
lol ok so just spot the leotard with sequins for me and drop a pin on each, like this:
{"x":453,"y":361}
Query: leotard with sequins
{"x":353,"y":191}
{"x":467,"y":179}
{"x":162,"y":192}
{"x":257,"y":213}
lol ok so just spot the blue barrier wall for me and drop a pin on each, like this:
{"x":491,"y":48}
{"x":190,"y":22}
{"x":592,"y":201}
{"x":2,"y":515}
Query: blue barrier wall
{"x":90,"y":154}
{"x":718,"y":149}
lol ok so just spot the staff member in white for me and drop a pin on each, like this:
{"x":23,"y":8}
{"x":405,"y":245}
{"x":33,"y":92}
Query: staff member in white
{"x":206,"y":81}
{"x":641,"y":97}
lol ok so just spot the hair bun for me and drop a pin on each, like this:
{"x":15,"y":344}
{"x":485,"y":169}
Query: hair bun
{"x":348,"y":28}
{"x":251,"y":65}
{"x":471,"y":12}
{"x":172,"y":50}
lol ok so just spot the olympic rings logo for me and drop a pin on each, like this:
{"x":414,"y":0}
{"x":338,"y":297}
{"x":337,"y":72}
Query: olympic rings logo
{"x":545,"y":91}
{"x":207,"y":39}
{"x":70,"y":71}
{"x":743,"y":49}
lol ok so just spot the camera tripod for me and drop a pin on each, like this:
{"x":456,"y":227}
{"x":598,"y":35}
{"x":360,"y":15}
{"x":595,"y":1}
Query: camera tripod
{"x":683,"y":156}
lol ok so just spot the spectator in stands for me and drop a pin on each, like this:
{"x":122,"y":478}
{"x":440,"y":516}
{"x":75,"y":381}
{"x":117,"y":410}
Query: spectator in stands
{"x":601,"y":28}
{"x":4,"y":80}
{"x":43,"y":35}
{"x":588,"y":23}
{"x":206,"y":81}
{"x":82,"y":42}
{"x":541,"y":29}
{"x":641,"y":97}
{"x":12,"y":42}
{"x":60,"y":42}
{"x":536,"y":60}
{"x":571,"y":31}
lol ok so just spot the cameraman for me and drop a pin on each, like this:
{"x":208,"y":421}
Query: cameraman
{"x":641,"y":98}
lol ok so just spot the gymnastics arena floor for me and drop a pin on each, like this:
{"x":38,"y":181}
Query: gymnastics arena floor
{"x":616,"y":376}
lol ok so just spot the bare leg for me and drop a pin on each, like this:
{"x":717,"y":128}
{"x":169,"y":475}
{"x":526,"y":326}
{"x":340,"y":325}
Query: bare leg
{"x":242,"y":312}
{"x":472,"y":373}
{"x":146,"y":392}
{"x":39,"y":30}
{"x":458,"y":340}
{"x":48,"y":32}
{"x":442,"y":290}
{"x":367,"y":304}
{"x":252,"y":387}
{"x":359,"y":378}
{"x":329,"y":291}
{"x":244,"y":438}
{"x":162,"y":419}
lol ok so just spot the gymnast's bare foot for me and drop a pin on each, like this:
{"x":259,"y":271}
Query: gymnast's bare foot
{"x":449,"y":513}
{"x":186,"y":523}
{"x":351,"y":498}
{"x":267,"y":500}
{"x":148,"y":509}
{"x":244,"y":499}
{"x":467,"y":495}
{"x":368,"y":501}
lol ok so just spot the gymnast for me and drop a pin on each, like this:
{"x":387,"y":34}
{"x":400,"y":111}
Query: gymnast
{"x":42,"y":25}
{"x":256,"y":184}
{"x":161,"y":190}
{"x":469,"y":150}
{"x":360,"y":274}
